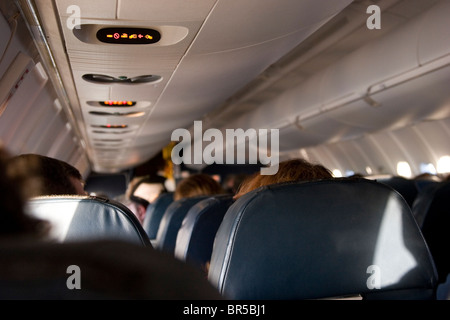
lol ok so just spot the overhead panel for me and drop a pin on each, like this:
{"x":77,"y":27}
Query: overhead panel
{"x":232,"y":48}
{"x":125,"y":40}
{"x":208,"y":50}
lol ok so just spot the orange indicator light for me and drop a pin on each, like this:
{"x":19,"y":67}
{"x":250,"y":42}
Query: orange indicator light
{"x":123,"y":103}
{"x":128,"y":35}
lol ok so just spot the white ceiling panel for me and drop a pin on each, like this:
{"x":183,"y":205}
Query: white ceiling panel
{"x":99,"y":9}
{"x":164,"y":10}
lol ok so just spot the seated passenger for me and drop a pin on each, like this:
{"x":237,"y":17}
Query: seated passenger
{"x":290,"y":170}
{"x":13,"y":220}
{"x":141,"y":192}
{"x":45,"y":175}
{"x":233,"y":182}
{"x":197,"y":185}
{"x":32,"y":268}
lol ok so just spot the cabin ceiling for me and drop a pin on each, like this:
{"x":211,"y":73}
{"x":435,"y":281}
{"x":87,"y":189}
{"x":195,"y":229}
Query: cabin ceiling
{"x":211,"y":49}
{"x":219,"y":61}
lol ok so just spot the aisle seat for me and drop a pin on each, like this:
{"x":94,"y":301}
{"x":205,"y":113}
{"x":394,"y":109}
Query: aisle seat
{"x":334,"y":238}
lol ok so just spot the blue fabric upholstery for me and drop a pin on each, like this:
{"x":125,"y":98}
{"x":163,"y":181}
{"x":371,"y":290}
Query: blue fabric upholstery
{"x":154,"y":214}
{"x":328,"y":238}
{"x":171,"y":223}
{"x":195,"y":238}
{"x":75,"y":218}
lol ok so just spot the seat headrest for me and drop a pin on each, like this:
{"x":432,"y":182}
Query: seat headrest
{"x":406,"y":187}
{"x":321,"y":239}
{"x":154,"y":213}
{"x":195,"y":238}
{"x":75,"y":218}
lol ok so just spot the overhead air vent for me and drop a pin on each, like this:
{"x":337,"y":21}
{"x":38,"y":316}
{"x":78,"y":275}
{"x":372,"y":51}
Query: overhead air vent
{"x":105,"y":79}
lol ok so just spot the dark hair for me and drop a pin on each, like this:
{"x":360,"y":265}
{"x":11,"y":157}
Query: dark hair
{"x":13,"y":220}
{"x":197,"y":185}
{"x":43,"y":175}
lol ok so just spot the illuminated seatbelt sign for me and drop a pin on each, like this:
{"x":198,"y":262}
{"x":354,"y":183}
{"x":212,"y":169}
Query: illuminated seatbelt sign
{"x":121,"y":35}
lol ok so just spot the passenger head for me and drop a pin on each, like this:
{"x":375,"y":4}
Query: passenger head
{"x":197,"y":185}
{"x":290,"y":170}
{"x":233,"y":181}
{"x":428,"y":177}
{"x":45,"y":175}
{"x":142,"y":191}
{"x":13,"y":220}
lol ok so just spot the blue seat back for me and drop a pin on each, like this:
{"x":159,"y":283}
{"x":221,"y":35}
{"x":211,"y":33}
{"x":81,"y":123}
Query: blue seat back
{"x":329,"y":238}
{"x":406,"y":187}
{"x":171,"y":223}
{"x":75,"y":218}
{"x":195,"y":238}
{"x":154,"y":214}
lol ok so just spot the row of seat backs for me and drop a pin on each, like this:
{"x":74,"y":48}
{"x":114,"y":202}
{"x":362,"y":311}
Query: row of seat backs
{"x":186,"y":228}
{"x":329,"y":238}
{"x":75,"y":218}
{"x":171,"y":222}
{"x":358,"y":221}
{"x":195,"y":238}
